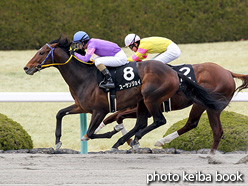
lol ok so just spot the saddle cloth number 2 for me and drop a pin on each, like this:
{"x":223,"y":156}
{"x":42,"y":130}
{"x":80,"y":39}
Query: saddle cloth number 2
{"x":186,"y":71}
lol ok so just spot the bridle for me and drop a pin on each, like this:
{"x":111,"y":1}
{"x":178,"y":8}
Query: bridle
{"x":40,"y":66}
{"x":48,"y":55}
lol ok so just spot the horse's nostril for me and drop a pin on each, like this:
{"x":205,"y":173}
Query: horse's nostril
{"x":25,"y":68}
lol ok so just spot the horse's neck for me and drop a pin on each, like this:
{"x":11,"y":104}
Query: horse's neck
{"x":77,"y":75}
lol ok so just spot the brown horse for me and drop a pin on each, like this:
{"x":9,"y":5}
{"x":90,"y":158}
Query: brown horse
{"x":159,"y":83}
{"x":208,"y":75}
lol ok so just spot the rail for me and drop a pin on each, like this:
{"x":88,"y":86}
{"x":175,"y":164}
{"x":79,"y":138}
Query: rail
{"x":48,"y":97}
{"x":66,"y":97}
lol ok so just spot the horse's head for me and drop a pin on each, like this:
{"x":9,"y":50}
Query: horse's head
{"x":43,"y":57}
{"x":49,"y":55}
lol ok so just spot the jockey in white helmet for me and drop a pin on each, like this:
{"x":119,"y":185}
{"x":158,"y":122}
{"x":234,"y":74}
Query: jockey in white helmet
{"x":167,"y":49}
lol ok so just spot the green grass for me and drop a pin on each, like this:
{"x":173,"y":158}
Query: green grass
{"x":13,"y":136}
{"x":235,"y":134}
{"x":39,"y":118}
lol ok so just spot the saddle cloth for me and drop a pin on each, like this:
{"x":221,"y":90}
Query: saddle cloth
{"x":185,"y":69}
{"x":126,"y":76}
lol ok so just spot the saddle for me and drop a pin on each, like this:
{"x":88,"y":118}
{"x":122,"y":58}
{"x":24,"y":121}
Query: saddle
{"x":126,"y":76}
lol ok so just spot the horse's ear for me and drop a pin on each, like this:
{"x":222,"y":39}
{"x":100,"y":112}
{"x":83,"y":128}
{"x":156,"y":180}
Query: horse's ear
{"x":54,"y":45}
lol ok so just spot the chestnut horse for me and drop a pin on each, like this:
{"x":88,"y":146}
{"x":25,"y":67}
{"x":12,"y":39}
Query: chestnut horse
{"x":208,"y":75}
{"x":159,"y":83}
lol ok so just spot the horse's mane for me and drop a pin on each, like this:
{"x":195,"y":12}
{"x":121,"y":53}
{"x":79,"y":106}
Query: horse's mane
{"x":63,"y":43}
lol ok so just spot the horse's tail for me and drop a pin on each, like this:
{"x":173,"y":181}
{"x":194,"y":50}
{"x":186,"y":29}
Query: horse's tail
{"x":244,"y":79}
{"x":198,"y":94}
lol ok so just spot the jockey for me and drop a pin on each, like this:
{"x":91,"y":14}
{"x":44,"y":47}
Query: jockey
{"x":167,"y":49}
{"x":109,"y":54}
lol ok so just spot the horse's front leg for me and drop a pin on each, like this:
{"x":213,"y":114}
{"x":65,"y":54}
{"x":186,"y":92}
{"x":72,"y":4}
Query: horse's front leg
{"x":108,"y":120}
{"x":96,"y":119}
{"x":73,"y":109}
{"x":118,"y":117}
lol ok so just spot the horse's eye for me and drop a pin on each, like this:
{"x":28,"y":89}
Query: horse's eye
{"x":41,"y":53}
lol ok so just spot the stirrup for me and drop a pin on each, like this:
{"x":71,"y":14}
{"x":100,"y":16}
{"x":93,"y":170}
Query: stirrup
{"x":104,"y":84}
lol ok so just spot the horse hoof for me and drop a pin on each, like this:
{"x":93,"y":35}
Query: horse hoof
{"x":58,"y":145}
{"x":85,"y":138}
{"x":136,"y":146}
{"x":158,"y":144}
{"x":118,"y":128}
{"x":114,"y":149}
{"x":134,"y":142}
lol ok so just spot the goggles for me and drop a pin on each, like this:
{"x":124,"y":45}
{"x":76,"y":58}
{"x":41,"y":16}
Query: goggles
{"x":76,"y":46}
{"x":131,"y":46}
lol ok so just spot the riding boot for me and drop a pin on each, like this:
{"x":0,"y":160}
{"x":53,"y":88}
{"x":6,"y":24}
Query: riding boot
{"x":107,"y":83}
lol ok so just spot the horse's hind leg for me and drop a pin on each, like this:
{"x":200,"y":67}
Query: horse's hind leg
{"x":158,"y":120}
{"x":215,"y":123}
{"x":73,"y":109}
{"x":192,"y":123}
{"x":141,"y":122}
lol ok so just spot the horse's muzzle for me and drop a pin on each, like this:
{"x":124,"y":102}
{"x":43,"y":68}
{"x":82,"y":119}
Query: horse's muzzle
{"x":30,"y":71}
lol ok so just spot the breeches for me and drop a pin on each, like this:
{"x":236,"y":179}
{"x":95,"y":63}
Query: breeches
{"x":118,"y":59}
{"x":172,"y":52}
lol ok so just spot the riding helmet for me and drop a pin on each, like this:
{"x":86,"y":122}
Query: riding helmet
{"x":131,"y":38}
{"x":80,"y":36}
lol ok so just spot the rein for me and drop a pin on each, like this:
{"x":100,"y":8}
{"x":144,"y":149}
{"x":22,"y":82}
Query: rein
{"x":54,"y":64}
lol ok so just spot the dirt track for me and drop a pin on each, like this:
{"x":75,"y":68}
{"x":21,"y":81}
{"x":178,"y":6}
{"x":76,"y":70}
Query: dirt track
{"x":116,"y":169}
